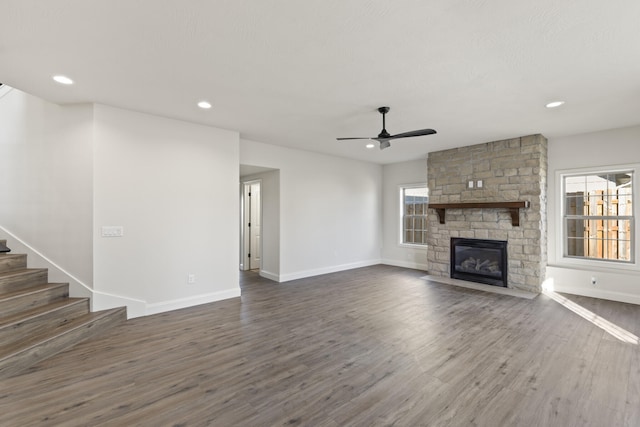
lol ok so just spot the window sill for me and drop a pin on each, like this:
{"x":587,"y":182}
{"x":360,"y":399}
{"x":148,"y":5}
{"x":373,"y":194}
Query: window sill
{"x":413,"y":246}
{"x":596,"y":265}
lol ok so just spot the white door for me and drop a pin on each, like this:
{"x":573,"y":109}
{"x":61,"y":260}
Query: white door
{"x":252,"y":218}
{"x":255,"y":228}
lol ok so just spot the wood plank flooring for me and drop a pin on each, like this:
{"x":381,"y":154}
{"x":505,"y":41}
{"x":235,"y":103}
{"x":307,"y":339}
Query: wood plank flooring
{"x":375,"y":346}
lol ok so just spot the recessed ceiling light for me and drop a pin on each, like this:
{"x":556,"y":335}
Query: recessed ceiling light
{"x":554,"y":104}
{"x":205,"y":105}
{"x":370,"y":145}
{"x":63,"y":80}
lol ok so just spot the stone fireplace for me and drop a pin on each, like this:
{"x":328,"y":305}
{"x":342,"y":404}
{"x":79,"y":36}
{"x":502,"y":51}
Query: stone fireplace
{"x":493,"y":191}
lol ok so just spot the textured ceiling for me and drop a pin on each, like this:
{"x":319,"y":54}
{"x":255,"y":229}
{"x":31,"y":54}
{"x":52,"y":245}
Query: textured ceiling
{"x":301,"y":73}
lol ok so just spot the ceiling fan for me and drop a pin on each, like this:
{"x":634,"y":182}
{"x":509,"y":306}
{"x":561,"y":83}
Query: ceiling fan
{"x":384,"y":137}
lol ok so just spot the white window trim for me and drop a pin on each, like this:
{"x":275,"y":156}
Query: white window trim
{"x":596,"y":264}
{"x":400,"y":227}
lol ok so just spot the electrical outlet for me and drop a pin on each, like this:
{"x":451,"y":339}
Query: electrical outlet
{"x":191,"y":278}
{"x":470,"y":184}
{"x":479,"y":183}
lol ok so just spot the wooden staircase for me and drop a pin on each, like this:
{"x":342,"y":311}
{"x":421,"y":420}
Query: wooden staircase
{"x":38,"y":319}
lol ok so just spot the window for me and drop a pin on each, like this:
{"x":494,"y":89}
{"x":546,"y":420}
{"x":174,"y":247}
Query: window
{"x":414,"y":200}
{"x":598,"y":216}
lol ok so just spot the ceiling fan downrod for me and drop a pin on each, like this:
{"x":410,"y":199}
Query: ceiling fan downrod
{"x":384,"y":133}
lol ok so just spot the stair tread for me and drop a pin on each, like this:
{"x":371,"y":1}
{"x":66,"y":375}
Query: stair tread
{"x":30,"y":290}
{"x":40,"y":310}
{"x":37,"y":339}
{"x":20,"y":271}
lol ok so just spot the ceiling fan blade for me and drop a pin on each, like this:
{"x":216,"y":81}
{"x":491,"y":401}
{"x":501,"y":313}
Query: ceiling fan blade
{"x":421,"y":132}
{"x":344,"y":139}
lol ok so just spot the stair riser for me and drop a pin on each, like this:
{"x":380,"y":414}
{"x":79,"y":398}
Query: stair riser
{"x":23,"y":280}
{"x":43,"y":323}
{"x":12,"y":262}
{"x":31,"y":300}
{"x":19,"y":362}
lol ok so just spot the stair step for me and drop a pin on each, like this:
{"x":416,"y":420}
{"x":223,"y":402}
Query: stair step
{"x":32,"y":297}
{"x":22,"y":278}
{"x":38,"y":319}
{"x":9,"y":262}
{"x":41,"y":319}
{"x":24,"y":354}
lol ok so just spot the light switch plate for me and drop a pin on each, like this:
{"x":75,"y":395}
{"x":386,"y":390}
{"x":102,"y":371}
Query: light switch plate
{"x":112,"y":231}
{"x":470,"y":184}
{"x":479,"y":183}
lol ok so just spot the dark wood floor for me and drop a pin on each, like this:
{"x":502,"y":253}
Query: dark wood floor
{"x":366,"y":347}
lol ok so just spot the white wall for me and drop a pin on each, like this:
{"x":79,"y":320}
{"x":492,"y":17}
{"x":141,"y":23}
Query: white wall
{"x":598,"y":149}
{"x":330,"y":209}
{"x":46,"y":184}
{"x":394,"y":175}
{"x":270,"y":238}
{"x":173,"y":186}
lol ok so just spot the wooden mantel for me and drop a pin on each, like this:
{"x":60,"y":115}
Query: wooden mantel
{"x":513,"y":207}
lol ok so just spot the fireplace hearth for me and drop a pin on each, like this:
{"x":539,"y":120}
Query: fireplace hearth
{"x":479,"y":260}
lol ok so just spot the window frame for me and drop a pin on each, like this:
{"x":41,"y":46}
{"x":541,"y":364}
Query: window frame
{"x":401,"y":230}
{"x":582,"y":261}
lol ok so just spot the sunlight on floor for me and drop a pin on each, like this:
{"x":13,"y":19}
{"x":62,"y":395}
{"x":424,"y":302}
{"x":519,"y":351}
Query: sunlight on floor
{"x":611,"y":328}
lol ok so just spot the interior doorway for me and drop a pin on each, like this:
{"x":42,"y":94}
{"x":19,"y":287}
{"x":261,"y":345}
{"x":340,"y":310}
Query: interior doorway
{"x":251,"y":225}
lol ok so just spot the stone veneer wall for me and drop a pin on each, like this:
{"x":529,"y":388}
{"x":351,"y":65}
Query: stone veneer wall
{"x":511,"y":170}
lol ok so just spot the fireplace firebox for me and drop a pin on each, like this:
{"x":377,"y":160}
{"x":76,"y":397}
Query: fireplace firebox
{"x":478,"y":260}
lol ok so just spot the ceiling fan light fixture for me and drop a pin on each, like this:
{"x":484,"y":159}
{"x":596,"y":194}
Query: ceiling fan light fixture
{"x":370,"y":145}
{"x":205,"y":105}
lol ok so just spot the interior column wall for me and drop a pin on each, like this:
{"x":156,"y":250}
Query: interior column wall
{"x":172,"y":186}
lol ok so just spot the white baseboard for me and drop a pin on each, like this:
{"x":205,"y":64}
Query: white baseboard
{"x":598,"y":293}
{"x":326,"y":270}
{"x":269,"y":275}
{"x":161,"y":307}
{"x":104,"y":301}
{"x":140,"y":308}
{"x":405,"y":264}
{"x":619,"y":286}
